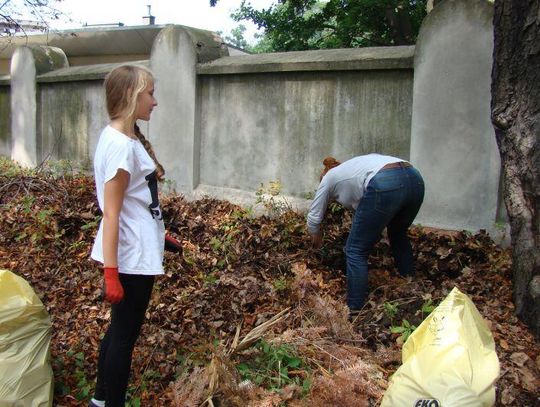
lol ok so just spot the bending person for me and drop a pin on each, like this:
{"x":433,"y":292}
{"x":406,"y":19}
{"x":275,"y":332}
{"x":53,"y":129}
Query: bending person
{"x":383,"y":191}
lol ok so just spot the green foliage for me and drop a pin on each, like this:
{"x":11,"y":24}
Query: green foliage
{"x":59,"y":369}
{"x":52,"y":168}
{"x":405,"y":329}
{"x":58,"y":168}
{"x":223,"y":245}
{"x":310,"y":24}
{"x":84,"y":386}
{"x":280,"y":284}
{"x":391,"y":310}
{"x":208,"y":279}
{"x":427,"y":308}
{"x":168,"y":186}
{"x":26,"y":204}
{"x":335,"y":207}
{"x":148,"y":376}
{"x":133,"y":402}
{"x":236,"y":37}
{"x":272,"y":367}
{"x":9,"y":168}
{"x":91,"y":224}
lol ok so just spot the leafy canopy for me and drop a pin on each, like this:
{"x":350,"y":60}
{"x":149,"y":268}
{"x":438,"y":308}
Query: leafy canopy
{"x":311,"y":24}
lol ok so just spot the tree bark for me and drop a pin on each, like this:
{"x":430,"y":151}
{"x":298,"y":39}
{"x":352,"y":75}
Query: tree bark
{"x":515,"y":114}
{"x":399,"y":22}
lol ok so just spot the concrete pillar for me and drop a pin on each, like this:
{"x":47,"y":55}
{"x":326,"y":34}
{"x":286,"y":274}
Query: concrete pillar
{"x":26,"y":64}
{"x":452,"y":139}
{"x":174,"y":130}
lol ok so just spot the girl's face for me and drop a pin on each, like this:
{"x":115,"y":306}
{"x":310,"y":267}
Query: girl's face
{"x":146,"y":102}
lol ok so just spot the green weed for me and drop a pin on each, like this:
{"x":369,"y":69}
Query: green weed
{"x":274,"y":367}
{"x":427,"y":308}
{"x":405,"y":329}
{"x":391,"y":310}
{"x":91,"y":224}
{"x":335,"y":207}
{"x":280,"y":284}
{"x":84,"y":387}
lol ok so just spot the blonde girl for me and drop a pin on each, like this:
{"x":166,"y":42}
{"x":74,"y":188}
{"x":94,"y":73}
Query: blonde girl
{"x":130,"y":240}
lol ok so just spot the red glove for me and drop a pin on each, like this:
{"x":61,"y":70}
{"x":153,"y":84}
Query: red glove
{"x":172,"y":245}
{"x":114,"y":292}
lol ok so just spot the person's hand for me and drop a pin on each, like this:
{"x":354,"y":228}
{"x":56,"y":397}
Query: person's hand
{"x":316,"y":240}
{"x":172,"y":245}
{"x":114,"y":292}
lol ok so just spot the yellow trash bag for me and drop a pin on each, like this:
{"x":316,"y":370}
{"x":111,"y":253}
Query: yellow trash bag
{"x":26,"y":377}
{"x":449,"y":360}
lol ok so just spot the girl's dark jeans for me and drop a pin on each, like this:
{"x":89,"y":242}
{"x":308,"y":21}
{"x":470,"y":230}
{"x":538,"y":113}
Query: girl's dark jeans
{"x":392,"y":200}
{"x":116,"y":348}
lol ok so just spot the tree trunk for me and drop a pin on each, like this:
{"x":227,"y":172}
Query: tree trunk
{"x":515,"y":115}
{"x":399,"y":22}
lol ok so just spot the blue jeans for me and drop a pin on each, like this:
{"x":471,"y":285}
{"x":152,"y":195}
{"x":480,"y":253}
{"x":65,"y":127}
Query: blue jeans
{"x":392,"y":200}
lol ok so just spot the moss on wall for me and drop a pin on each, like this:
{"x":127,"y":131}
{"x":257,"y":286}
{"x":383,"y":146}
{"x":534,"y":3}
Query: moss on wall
{"x":65,"y":121}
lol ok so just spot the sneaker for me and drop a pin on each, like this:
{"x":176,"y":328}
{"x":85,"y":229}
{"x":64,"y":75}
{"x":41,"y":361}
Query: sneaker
{"x":92,"y":404}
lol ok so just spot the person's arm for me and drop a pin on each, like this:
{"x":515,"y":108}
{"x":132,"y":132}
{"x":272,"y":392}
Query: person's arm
{"x":114,"y":198}
{"x":316,"y":213}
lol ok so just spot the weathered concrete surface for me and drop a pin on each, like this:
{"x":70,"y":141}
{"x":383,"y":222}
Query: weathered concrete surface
{"x":70,"y":133}
{"x":452,"y":139}
{"x":82,"y":73}
{"x":331,"y":59}
{"x":173,"y":128}
{"x":27,"y":62}
{"x":279,"y":126}
{"x":89,"y":46}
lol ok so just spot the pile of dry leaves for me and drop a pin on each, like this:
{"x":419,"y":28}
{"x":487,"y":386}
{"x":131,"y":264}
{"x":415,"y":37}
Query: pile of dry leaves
{"x":249,"y":315}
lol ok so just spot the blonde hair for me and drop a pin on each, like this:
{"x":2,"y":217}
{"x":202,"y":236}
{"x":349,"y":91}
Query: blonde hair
{"x":329,"y":163}
{"x":122,"y":87}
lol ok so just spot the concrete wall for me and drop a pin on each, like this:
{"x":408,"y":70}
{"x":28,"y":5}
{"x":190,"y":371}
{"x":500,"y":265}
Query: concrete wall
{"x":70,"y":132}
{"x":284,"y":123}
{"x":26,"y":64}
{"x":88,"y":46}
{"x":226,"y":124}
{"x":452,"y":139}
{"x":59,"y":110}
{"x":275,"y":116}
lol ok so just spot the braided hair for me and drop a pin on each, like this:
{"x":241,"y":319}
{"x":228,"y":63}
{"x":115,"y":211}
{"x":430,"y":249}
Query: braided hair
{"x":160,"y":172}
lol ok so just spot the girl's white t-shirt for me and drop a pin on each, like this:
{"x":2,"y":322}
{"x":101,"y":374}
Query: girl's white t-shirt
{"x":141,"y":235}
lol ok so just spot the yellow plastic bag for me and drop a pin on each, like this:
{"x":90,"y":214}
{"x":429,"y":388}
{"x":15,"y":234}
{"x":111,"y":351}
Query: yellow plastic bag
{"x":26,"y":377}
{"x":449,"y":360}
